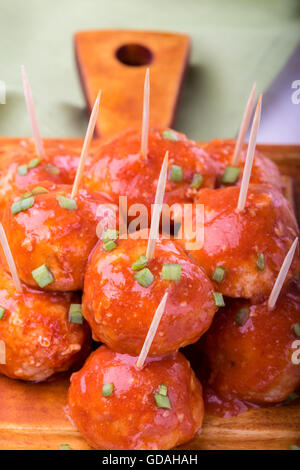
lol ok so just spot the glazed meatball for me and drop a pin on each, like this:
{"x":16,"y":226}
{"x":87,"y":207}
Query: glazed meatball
{"x":119,"y":306}
{"x":120,"y":170}
{"x":249,"y":246}
{"x":116,"y":406}
{"x":264,"y":170}
{"x":39,"y":338}
{"x":55,"y":234}
{"x":250,"y":348}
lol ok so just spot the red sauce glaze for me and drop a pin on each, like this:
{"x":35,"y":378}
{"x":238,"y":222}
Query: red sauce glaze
{"x":264,"y":170}
{"x":254,"y":362}
{"x":120,"y":310}
{"x":130,"y":418}
{"x":233,"y":239}
{"x":60,"y":238}
{"x":39,"y":339}
{"x":119,"y":168}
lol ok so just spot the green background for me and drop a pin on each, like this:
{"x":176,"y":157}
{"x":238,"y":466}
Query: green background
{"x":234,"y":42}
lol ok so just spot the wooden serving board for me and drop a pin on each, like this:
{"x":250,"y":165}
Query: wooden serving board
{"x":34,"y":416}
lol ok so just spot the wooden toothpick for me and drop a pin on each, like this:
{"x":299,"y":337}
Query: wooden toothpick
{"x":282,"y":275}
{"x":2,"y":353}
{"x":39,"y":147}
{"x":9,"y":258}
{"x":244,"y":127}
{"x":146,"y":111}
{"x":159,"y":197}
{"x":151,"y":332}
{"x":86,"y":144}
{"x":250,"y":157}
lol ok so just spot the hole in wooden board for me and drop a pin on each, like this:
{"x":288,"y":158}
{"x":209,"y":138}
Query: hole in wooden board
{"x":134,"y":55}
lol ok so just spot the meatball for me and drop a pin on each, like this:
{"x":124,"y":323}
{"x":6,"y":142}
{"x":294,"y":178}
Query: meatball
{"x":39,"y":338}
{"x":119,"y":306}
{"x":120,"y":170}
{"x":55,"y":234}
{"x":116,"y":406}
{"x":264,"y":170}
{"x":250,"y":348}
{"x":248,"y":246}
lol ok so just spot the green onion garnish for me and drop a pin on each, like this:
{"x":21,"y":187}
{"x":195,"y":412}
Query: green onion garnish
{"x":144,"y":277}
{"x":75,"y":314}
{"x":25,"y":195}
{"x":2,"y":311}
{"x":107,"y":389}
{"x":109,"y":245}
{"x":230,"y":174}
{"x":39,"y":190}
{"x":66,"y":203}
{"x":51,"y":169}
{"x":219,"y":301}
{"x":163,"y":390}
{"x":197,"y":181}
{"x":140,"y":263}
{"x":42,"y":275}
{"x":242,"y":316}
{"x":169,"y":135}
{"x":110,"y":234}
{"x":22,"y":205}
{"x":293,"y":396}
{"x":219,"y":274}
{"x":176,"y":173}
{"x":22,"y":170}
{"x":65,"y":447}
{"x":260,"y":263}
{"x":33,"y":163}
{"x":296,"y":328}
{"x":162,"y":401}
{"x":171,"y":272}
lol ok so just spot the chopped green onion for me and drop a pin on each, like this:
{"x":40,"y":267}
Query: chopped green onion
{"x":294,"y":447}
{"x":230,"y":174}
{"x":25,"y":195}
{"x":51,"y":169}
{"x":42,"y":275}
{"x":296,"y":328}
{"x":140,"y":263}
{"x":162,"y":401}
{"x":110,"y":234}
{"x":171,"y":272}
{"x":219,"y":274}
{"x":293,"y":396}
{"x":163,"y":390}
{"x":169,"y":135}
{"x":39,"y":190}
{"x":242,"y":316}
{"x":176,"y":173}
{"x":260,"y":261}
{"x":65,"y":447}
{"x":33,"y":163}
{"x":107,"y":389}
{"x":110,"y":245}
{"x":22,"y":205}
{"x":144,"y":277}
{"x":2,"y":311}
{"x":197,"y":181}
{"x":219,"y":301}
{"x":75,"y":314}
{"x":66,"y":203}
{"x":22,"y":170}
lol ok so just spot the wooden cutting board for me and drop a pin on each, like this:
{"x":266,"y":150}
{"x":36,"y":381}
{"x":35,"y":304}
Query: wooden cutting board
{"x":35,"y":416}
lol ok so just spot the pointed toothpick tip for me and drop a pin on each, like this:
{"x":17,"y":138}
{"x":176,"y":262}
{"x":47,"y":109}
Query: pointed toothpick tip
{"x":146,"y":113}
{"x":152,"y":332}
{"x":9,"y":259}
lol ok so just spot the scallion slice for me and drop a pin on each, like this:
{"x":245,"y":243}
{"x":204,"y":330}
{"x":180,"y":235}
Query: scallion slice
{"x":176,"y":173}
{"x":34,"y":162}
{"x":110,"y":234}
{"x":66,"y":203}
{"x":163,"y":390}
{"x":140,"y":263}
{"x":75,"y":314}
{"x":51,"y":169}
{"x":230,"y":175}
{"x":219,"y":274}
{"x":2,"y":311}
{"x":42,"y":275}
{"x":242,"y":316}
{"x":296,"y":328}
{"x":107,"y":389}
{"x":22,"y":205}
{"x":25,"y":195}
{"x":292,"y":396}
{"x":169,"y":135}
{"x":197,"y":181}
{"x":65,"y":447}
{"x":219,"y":301}
{"x":171,"y":272}
{"x":162,"y":401}
{"x":39,"y":190}
{"x":260,"y":261}
{"x":22,"y":170}
{"x":144,"y":277}
{"x":109,"y":245}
